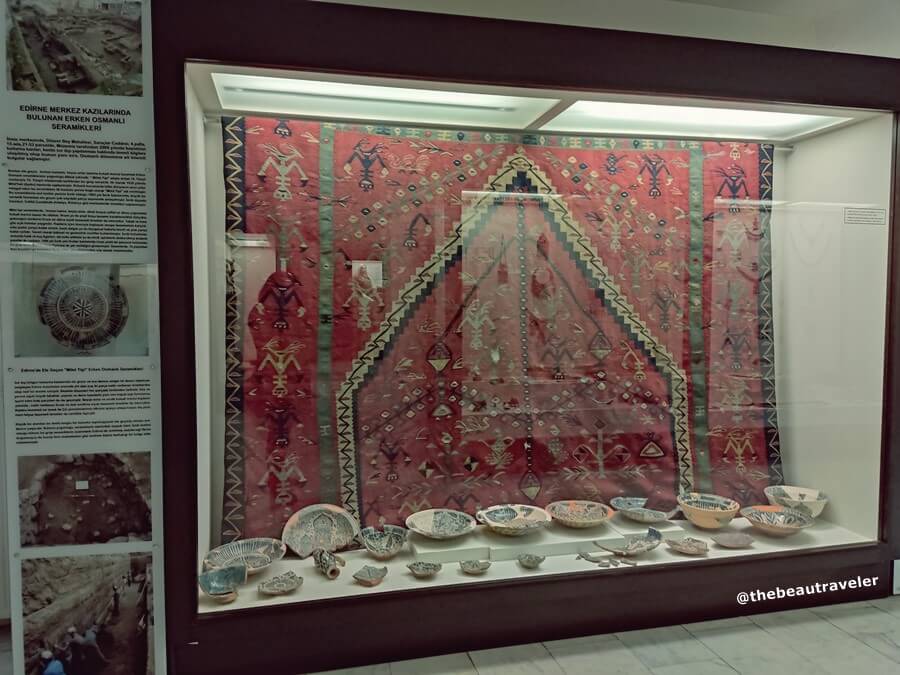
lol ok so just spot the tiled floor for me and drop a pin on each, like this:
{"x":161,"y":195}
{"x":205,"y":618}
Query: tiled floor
{"x":861,"y":637}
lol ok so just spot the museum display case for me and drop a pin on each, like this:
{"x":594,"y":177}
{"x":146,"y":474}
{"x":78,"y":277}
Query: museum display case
{"x":457,"y":348}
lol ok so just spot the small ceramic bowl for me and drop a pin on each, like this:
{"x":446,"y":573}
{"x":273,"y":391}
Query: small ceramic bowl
{"x":579,"y":513}
{"x":513,"y":520}
{"x":474,"y":567}
{"x":424,"y":570}
{"x":530,"y":561}
{"x":384,"y":544}
{"x":257,"y":554}
{"x":805,"y":500}
{"x":370,"y":576}
{"x":633,"y":508}
{"x":778,"y":521}
{"x":732,"y":539}
{"x":706,"y":511}
{"x":688,"y":546}
{"x":281,"y":584}
{"x":223,"y":581}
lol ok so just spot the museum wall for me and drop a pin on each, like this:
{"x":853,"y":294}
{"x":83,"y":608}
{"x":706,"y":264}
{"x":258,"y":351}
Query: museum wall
{"x":832,"y":277}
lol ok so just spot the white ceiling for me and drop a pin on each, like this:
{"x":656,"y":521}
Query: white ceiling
{"x":854,"y":26}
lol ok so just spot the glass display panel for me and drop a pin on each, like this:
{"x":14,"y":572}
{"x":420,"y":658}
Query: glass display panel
{"x":437,"y":355}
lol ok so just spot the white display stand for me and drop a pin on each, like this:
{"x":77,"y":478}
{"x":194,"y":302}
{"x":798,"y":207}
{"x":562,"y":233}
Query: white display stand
{"x":483,"y":544}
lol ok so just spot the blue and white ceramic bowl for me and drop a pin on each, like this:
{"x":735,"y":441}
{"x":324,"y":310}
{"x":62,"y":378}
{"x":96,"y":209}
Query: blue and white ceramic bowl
{"x":424,"y":570}
{"x":257,"y":554}
{"x":440,"y":523}
{"x":223,"y":581}
{"x":805,"y":500}
{"x":513,"y":520}
{"x":633,"y":508}
{"x":386,"y":543}
{"x":778,"y":521}
{"x":708,"y":511}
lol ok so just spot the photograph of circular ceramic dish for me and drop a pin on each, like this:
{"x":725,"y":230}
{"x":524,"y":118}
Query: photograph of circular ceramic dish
{"x":777,"y":521}
{"x":319,"y":526}
{"x":708,"y":511}
{"x":513,"y":520}
{"x":633,"y":509}
{"x":441,"y":523}
{"x":257,"y":554}
{"x":579,"y":513}
{"x":806,"y":500}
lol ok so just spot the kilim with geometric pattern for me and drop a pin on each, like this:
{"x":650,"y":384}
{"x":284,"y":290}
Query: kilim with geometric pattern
{"x":422,"y":318}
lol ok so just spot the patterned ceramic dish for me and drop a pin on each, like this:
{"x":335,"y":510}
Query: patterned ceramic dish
{"x":441,"y":523}
{"x":384,"y":544}
{"x":633,"y":508}
{"x":636,"y":545}
{"x":319,"y":526}
{"x":733,"y":539}
{"x":688,"y":546}
{"x":222,"y":583}
{"x":281,"y":584}
{"x":530,"y":561}
{"x":474,"y":567}
{"x":778,"y":521}
{"x":810,"y":502}
{"x":513,"y":520}
{"x":424,"y":570}
{"x":710,"y":512}
{"x":579,"y":513}
{"x":257,"y":554}
{"x":370,"y":576}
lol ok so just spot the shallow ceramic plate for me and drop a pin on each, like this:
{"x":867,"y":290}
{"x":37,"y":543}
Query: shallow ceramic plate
{"x":805,"y":500}
{"x":386,"y":543}
{"x":441,"y":523}
{"x":513,"y":520}
{"x":636,"y":545}
{"x":778,"y":521}
{"x":281,"y":584}
{"x":633,"y":508}
{"x":370,"y":576}
{"x":579,"y":513}
{"x":732,"y":539}
{"x":257,"y":554}
{"x":688,"y":546}
{"x":324,"y":526}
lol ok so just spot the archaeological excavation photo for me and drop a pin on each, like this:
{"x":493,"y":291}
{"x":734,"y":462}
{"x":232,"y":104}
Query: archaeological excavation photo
{"x":75,"y":47}
{"x":92,"y":614}
{"x":84,"y":499}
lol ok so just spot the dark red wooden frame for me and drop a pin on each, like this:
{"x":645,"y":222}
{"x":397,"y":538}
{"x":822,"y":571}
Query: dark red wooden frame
{"x":337,"y":38}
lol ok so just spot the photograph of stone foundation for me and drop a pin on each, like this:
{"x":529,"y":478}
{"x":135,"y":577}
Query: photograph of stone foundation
{"x":84,"y":499}
{"x":93,"y":614}
{"x":75,"y":46}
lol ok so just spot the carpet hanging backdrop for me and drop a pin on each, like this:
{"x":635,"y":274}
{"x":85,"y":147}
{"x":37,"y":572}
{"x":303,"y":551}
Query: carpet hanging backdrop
{"x":421,"y":318}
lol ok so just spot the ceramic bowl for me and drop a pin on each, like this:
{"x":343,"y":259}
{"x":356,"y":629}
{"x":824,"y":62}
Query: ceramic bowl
{"x":707,"y":511}
{"x":688,"y":546}
{"x":530,"y":561}
{"x":223,"y":580}
{"x":513,"y":520}
{"x":319,"y":526}
{"x":778,"y":521}
{"x":281,"y":584}
{"x":633,"y":508}
{"x":732,"y":539}
{"x":441,"y":523}
{"x":424,"y":570}
{"x":370,"y":576}
{"x":579,"y":513}
{"x":474,"y":567}
{"x":384,"y":544}
{"x":637,"y":544}
{"x":805,"y":500}
{"x":257,"y":554}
